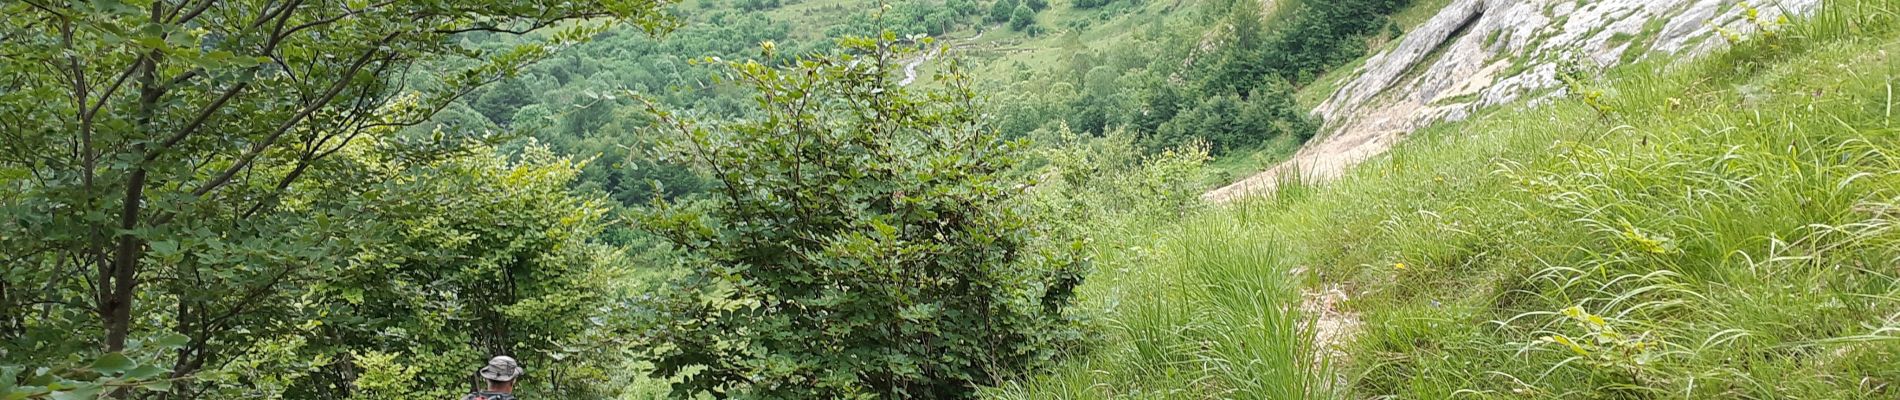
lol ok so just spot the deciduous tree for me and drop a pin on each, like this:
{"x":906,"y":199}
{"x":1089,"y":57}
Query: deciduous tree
{"x":1001,"y":10}
{"x":1022,"y":18}
{"x":152,"y":152}
{"x":863,"y":240}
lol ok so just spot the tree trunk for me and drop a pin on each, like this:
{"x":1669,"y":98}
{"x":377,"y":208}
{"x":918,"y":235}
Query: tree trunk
{"x":120,"y":286}
{"x":117,"y":309}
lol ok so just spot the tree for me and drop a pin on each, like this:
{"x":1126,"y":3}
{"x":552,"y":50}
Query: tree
{"x":861,"y":241}
{"x":502,"y":248}
{"x":1101,"y":104}
{"x":1036,"y":5}
{"x":1001,"y":10}
{"x":500,"y":102}
{"x":139,"y":139}
{"x":532,"y":118}
{"x":1240,"y":64}
{"x":1321,"y":35}
{"x":1159,"y":102}
{"x":962,"y":8}
{"x":1022,"y":18}
{"x":940,"y":21}
{"x":1228,"y":122}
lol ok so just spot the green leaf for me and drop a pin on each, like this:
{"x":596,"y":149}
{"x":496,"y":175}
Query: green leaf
{"x":7,"y":376}
{"x":158,"y":386}
{"x":171,"y":340}
{"x":144,"y":372}
{"x":115,"y":6}
{"x":112,"y":363}
{"x":84,"y":391}
{"x":41,"y":377}
{"x":164,"y":248}
{"x":150,"y":42}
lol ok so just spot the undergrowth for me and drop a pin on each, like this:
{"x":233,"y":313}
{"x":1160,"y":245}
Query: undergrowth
{"x":1717,"y":228}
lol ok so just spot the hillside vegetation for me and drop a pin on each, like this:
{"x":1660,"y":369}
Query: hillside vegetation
{"x":1717,"y":228}
{"x":933,"y":199}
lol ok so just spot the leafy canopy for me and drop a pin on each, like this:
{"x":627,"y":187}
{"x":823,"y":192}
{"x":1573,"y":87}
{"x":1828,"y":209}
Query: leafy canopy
{"x":862,"y":240}
{"x":184,"y":167}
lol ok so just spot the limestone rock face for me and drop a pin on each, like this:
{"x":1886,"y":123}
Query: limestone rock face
{"x":1480,"y":53}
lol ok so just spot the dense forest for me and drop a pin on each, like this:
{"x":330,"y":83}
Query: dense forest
{"x":938,"y":199}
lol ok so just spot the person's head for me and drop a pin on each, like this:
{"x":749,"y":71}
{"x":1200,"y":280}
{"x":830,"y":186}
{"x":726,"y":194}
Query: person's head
{"x":501,"y":373}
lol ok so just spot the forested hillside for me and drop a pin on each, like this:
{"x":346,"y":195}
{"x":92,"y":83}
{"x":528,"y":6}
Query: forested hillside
{"x":1224,"y":75}
{"x":948,"y":199}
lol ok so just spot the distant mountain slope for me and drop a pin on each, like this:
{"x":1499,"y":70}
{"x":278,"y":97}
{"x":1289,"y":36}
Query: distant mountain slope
{"x":1478,"y":53}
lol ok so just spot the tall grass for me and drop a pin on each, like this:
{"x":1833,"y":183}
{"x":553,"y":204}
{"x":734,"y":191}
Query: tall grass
{"x":1719,"y":228}
{"x":1206,"y":309}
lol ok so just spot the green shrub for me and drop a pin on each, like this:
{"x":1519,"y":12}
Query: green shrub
{"x":861,"y":241}
{"x":1001,"y":9}
{"x":1022,"y":18}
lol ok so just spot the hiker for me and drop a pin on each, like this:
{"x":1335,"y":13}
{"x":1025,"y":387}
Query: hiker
{"x":500,"y":373}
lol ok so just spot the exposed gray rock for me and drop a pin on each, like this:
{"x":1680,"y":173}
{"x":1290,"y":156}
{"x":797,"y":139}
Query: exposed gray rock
{"x":1383,"y":70}
{"x":1480,"y":53}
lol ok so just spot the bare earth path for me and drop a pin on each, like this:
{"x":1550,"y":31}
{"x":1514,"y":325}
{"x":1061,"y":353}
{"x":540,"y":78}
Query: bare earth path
{"x":910,"y":66}
{"x":1325,"y":159}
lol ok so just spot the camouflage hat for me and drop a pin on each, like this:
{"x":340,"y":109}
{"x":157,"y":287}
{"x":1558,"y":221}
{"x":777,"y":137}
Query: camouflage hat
{"x":502,"y":369}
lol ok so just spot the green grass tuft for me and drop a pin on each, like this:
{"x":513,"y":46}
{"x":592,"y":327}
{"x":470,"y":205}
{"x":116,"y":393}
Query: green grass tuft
{"x":1240,"y":164}
{"x":1206,"y":309}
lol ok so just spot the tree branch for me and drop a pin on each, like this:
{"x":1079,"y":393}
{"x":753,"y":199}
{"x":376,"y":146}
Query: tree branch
{"x":193,"y":14}
{"x":311,"y":108}
{"x":332,"y":19}
{"x":196,"y":122}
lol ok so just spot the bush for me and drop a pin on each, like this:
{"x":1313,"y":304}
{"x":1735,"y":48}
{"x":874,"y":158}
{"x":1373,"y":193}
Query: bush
{"x":962,"y":7}
{"x":1001,"y":10}
{"x":861,"y":240}
{"x":1022,"y":18}
{"x":757,"y":5}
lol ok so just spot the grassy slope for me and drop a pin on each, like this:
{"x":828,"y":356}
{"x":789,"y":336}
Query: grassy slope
{"x":1000,"y":51}
{"x":1726,"y":230}
{"x":1242,"y":164}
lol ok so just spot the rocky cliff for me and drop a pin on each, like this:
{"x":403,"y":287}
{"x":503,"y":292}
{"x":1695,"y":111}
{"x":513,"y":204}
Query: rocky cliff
{"x":1480,"y":53}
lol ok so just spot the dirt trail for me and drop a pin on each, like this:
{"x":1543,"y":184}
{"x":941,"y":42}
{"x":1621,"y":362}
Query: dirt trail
{"x":1357,"y":139}
{"x":1320,"y":161}
{"x":1333,"y":328}
{"x":910,"y":66}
